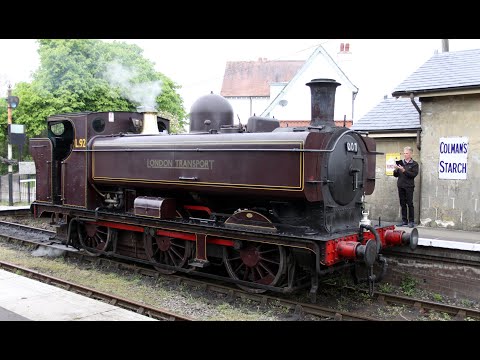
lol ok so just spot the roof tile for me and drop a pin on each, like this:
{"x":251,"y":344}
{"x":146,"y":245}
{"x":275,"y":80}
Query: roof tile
{"x":390,"y":114}
{"x":448,"y":70}
{"x":253,"y":78}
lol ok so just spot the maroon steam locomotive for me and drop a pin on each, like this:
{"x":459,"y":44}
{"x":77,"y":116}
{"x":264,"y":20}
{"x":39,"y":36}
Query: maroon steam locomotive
{"x":264,"y":207}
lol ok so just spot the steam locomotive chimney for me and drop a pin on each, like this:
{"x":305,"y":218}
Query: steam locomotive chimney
{"x":150,"y":126}
{"x":323,"y":101}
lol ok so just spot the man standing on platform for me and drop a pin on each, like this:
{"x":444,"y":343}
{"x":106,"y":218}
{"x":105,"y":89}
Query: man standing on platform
{"x":406,"y":171}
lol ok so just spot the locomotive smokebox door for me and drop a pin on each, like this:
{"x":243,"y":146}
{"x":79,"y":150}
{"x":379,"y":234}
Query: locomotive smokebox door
{"x":155,"y":207}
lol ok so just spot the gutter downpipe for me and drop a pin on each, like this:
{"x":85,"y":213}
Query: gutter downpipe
{"x":354,"y":95}
{"x":412,"y":99}
{"x":419,"y":146}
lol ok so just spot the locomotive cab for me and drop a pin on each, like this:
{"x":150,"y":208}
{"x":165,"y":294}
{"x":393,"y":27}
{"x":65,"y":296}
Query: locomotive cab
{"x":60,"y":159}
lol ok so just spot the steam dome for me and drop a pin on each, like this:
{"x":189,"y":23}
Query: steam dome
{"x":211,"y":107}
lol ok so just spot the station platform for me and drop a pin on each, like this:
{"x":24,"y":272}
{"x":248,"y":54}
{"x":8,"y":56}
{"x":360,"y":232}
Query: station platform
{"x":446,"y":238}
{"x":24,"y":299}
{"x":13,"y":210}
{"x":6,"y":207}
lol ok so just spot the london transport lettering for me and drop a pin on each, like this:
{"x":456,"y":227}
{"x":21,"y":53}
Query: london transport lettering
{"x":180,"y":164}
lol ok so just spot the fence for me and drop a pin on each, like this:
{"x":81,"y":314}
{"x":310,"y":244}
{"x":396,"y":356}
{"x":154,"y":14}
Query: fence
{"x":23,"y":189}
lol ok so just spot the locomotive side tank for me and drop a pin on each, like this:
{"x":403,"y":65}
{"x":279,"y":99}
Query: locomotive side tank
{"x":197,"y":163}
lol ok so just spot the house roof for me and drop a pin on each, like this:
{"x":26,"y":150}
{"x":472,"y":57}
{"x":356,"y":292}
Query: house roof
{"x":390,"y":114}
{"x":318,"y":51}
{"x":457,"y":70}
{"x":253,"y":78}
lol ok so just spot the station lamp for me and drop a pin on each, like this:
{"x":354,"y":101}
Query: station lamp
{"x":12,"y":101}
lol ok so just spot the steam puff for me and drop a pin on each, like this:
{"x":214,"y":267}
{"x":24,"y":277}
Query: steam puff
{"x":47,"y":251}
{"x":144,"y":94}
{"x":3,"y":83}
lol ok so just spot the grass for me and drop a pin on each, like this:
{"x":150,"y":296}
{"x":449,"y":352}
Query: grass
{"x":466,"y":303}
{"x":226,"y":311}
{"x":392,"y":310}
{"x":408,"y":285}
{"x":439,"y":316}
{"x":182,"y":299}
{"x":342,"y":303}
{"x":386,"y":288}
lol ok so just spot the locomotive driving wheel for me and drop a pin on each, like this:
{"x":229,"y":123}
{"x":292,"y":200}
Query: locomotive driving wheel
{"x":257,"y":263}
{"x":167,"y":251}
{"x":94,"y":239}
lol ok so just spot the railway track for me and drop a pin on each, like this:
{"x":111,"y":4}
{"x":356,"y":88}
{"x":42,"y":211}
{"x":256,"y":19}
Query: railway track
{"x":457,"y":257}
{"x":299,"y":309}
{"x":156,"y":313}
{"x":458,"y":312}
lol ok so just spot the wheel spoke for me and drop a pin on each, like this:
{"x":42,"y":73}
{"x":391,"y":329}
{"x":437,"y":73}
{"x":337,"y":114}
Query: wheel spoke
{"x":173,"y":251}
{"x":182,"y":246}
{"x":268,"y":251}
{"x":269,"y":260}
{"x":99,"y":241}
{"x":245,"y":274}
{"x":266,"y":268}
{"x":171,"y":257}
{"x":238,"y":268}
{"x":259,"y":272}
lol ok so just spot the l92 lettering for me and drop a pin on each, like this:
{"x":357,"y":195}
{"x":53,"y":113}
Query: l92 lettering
{"x":80,"y":143}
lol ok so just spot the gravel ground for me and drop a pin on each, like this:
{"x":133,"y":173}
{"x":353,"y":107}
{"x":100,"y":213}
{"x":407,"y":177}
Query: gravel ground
{"x":205,"y":305}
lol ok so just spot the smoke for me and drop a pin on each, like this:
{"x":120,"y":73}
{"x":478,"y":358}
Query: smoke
{"x":120,"y":76}
{"x":3,"y":84}
{"x":47,"y":251}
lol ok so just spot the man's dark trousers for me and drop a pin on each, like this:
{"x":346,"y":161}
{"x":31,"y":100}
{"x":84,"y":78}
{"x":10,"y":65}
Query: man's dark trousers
{"x":405,"y":194}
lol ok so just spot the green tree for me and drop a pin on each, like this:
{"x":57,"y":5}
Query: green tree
{"x":93,"y":75}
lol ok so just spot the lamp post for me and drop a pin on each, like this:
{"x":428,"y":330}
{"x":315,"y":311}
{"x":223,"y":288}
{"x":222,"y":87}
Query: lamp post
{"x":12,"y":102}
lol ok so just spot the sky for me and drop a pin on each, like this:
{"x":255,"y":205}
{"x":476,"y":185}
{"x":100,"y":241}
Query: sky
{"x":376,"y":67}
